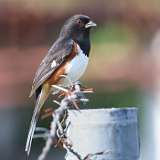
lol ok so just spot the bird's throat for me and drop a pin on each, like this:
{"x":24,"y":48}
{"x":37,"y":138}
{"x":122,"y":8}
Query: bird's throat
{"x":83,"y":40}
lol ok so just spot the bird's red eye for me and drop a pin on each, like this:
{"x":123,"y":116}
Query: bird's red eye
{"x":78,"y":21}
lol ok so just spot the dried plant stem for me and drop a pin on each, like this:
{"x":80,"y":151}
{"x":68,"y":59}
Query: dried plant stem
{"x":55,"y":122}
{"x":56,"y":129}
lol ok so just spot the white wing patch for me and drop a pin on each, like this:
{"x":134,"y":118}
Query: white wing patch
{"x":53,"y":64}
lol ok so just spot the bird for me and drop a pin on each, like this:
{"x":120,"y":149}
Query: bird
{"x":69,"y":55}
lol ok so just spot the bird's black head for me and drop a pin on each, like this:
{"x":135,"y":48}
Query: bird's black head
{"x":78,"y":27}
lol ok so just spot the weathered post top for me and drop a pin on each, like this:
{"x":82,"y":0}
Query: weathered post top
{"x":111,"y":131}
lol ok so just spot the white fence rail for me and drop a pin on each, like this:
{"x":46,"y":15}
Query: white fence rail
{"x":104,"y":134}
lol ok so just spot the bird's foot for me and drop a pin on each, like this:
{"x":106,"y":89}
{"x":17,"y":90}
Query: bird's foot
{"x":69,"y":94}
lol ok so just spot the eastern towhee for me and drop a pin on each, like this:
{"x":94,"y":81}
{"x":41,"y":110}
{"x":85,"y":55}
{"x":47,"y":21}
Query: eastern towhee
{"x":68,"y":56}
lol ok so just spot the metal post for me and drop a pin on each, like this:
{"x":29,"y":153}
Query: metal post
{"x":111,"y":131}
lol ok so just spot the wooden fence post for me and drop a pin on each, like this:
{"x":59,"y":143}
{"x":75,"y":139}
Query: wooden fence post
{"x":113,"y":132}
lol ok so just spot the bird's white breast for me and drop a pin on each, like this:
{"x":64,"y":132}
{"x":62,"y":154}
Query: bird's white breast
{"x":77,"y":66}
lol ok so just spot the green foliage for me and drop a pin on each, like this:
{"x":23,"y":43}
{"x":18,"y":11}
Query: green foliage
{"x":112,"y":33}
{"x":129,"y":97}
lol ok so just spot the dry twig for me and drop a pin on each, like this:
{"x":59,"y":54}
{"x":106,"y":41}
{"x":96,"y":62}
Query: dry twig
{"x":73,"y":96}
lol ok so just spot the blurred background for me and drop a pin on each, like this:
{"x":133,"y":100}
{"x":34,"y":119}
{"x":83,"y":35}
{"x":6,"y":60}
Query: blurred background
{"x":124,"y":67}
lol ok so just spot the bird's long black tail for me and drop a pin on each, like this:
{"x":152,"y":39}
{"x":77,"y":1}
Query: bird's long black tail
{"x":39,"y":103}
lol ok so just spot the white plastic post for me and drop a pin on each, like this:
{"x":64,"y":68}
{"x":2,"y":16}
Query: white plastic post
{"x":113,"y":131}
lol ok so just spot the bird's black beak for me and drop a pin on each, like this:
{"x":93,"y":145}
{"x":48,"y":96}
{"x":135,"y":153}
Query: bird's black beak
{"x":90,"y":24}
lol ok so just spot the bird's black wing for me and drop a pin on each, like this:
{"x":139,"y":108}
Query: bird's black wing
{"x":57,"y":53}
